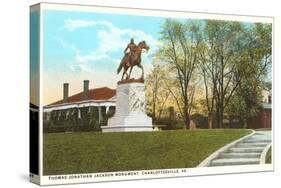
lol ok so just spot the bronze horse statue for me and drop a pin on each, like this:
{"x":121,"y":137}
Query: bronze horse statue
{"x":135,"y":60}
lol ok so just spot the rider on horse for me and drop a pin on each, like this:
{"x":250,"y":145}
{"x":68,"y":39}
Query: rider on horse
{"x":132,"y":47}
{"x":131,"y":59}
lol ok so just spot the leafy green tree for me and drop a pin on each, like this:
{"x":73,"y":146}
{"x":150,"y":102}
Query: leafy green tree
{"x":219,"y":53}
{"x":179,"y":52}
{"x":233,"y":60}
{"x":156,"y":91}
{"x":256,"y":58}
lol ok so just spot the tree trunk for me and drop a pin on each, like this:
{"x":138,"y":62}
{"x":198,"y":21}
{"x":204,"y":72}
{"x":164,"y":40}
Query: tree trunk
{"x":153,"y":112}
{"x":217,"y":116}
{"x":187,"y":123}
{"x":245,"y":123}
{"x":221,"y":122}
{"x":186,"y":116}
{"x":210,"y":121}
{"x":221,"y":117}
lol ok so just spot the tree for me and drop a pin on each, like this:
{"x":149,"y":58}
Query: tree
{"x":233,"y":60}
{"x":179,"y":51}
{"x":218,"y":54}
{"x":207,"y":64}
{"x":256,"y":58}
{"x":157,"y":94}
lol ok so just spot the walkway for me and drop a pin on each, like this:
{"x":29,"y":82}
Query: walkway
{"x":248,"y":151}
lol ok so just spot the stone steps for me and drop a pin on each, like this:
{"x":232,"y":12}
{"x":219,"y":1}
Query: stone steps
{"x":246,"y":150}
{"x":246,"y":145}
{"x":239,"y":155}
{"x":256,"y":141}
{"x":238,"y":161}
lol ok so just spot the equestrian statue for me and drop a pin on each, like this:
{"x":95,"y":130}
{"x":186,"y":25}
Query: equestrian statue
{"x":132,"y":57}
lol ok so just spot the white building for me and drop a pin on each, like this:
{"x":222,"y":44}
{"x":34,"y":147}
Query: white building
{"x":98,"y":98}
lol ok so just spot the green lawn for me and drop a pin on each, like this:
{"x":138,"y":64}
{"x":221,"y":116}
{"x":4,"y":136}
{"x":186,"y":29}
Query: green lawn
{"x":268,"y":157}
{"x":67,"y":153}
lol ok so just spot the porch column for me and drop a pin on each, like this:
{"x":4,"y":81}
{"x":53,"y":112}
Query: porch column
{"x":100,"y":115}
{"x":79,"y":114}
{"x":106,"y":109}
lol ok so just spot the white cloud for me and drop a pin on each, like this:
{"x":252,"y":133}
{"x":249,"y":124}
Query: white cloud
{"x":93,"y":56}
{"x":110,"y":39}
{"x":72,"y":25}
{"x":80,"y":67}
{"x":67,"y":45}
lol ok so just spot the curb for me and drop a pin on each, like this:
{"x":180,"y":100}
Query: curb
{"x":263,"y":154}
{"x":206,"y":162}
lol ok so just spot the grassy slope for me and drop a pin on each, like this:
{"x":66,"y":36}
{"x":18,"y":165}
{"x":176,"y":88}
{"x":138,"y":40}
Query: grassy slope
{"x":102,"y":152}
{"x":268,"y":158}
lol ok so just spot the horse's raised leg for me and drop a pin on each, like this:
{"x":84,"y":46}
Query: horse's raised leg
{"x":127,"y":76}
{"x":131,"y":68}
{"x":122,"y":76}
{"x":124,"y":72}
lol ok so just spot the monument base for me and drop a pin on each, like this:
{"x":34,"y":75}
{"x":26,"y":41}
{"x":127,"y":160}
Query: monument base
{"x":124,"y":128}
{"x":132,"y":122}
{"x":130,"y":110}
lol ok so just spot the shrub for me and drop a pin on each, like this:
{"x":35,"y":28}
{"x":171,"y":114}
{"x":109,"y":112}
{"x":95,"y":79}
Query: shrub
{"x":200,"y":120}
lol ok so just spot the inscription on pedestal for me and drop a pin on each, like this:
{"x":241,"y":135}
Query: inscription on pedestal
{"x":130,"y":110}
{"x":137,"y":99}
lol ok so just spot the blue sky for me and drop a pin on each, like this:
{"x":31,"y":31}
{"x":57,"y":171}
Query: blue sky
{"x":77,"y":40}
{"x":86,"y":45}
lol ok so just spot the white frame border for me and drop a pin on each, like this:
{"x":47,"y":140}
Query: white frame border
{"x":198,"y":171}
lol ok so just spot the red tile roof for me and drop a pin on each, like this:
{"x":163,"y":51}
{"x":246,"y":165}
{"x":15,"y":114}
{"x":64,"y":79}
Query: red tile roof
{"x":103,"y":93}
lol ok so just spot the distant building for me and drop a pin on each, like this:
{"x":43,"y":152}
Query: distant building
{"x":87,"y":108}
{"x":264,"y":116}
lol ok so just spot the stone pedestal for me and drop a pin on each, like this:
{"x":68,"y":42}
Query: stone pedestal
{"x":130,"y":110}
